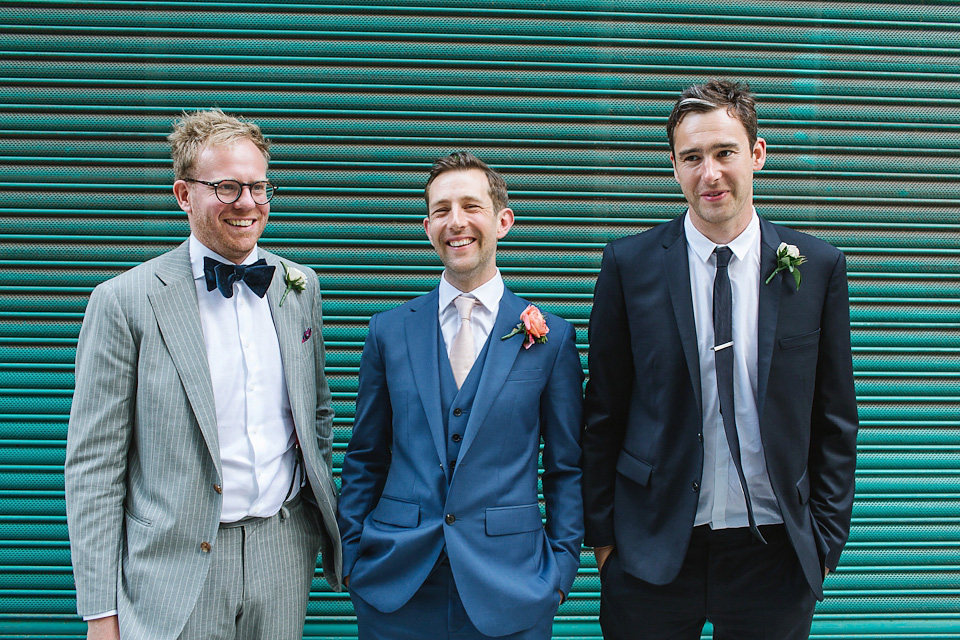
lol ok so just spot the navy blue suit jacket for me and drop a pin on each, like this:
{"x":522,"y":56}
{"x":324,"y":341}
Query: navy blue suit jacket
{"x":643,"y":458}
{"x":397,"y":510}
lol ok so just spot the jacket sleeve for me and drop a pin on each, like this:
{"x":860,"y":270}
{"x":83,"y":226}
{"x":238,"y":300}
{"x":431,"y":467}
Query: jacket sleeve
{"x":98,"y":437}
{"x":607,"y":400}
{"x":560,"y":417}
{"x":834,"y":422}
{"x":368,"y":456}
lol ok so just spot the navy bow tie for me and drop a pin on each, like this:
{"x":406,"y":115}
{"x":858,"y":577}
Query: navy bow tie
{"x":222,"y":276}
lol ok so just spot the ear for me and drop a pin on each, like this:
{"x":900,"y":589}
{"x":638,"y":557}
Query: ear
{"x":426,"y":229}
{"x":182,"y":191}
{"x":504,"y":222}
{"x":759,"y":154}
{"x":673,"y":163}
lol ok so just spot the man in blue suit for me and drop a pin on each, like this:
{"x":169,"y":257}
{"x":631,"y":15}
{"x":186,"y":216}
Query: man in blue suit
{"x":442,"y":530}
{"x":720,"y":418}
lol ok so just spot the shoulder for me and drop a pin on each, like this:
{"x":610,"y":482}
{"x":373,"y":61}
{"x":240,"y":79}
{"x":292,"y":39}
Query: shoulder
{"x":640,"y":244}
{"x":395,"y":316}
{"x":137,"y":281}
{"x":811,"y":247}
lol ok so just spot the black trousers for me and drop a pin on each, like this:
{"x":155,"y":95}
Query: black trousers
{"x":746,"y":589}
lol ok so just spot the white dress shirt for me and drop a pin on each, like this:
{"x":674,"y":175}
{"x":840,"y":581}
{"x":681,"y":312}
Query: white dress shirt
{"x":483,"y":316}
{"x":721,"y":501}
{"x":254,"y":420}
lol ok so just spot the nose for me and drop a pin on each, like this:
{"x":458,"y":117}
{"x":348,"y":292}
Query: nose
{"x":710,"y":170}
{"x":457,"y":216}
{"x":245,"y":201}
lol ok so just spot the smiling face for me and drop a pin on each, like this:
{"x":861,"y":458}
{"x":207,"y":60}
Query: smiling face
{"x":464,"y":228}
{"x":714,"y":163}
{"x":231,"y":230}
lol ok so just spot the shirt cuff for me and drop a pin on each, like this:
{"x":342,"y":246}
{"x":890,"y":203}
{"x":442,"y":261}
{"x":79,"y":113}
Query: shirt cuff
{"x":97,"y":616}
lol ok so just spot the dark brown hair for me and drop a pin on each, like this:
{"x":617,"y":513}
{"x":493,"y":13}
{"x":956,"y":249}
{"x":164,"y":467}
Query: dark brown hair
{"x":735,"y":97}
{"x":464,"y":161}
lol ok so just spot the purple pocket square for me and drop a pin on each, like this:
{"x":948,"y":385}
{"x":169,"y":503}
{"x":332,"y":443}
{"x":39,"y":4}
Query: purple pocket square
{"x":306,"y":335}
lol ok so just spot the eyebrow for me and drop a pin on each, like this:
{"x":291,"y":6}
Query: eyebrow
{"x":714,"y":147}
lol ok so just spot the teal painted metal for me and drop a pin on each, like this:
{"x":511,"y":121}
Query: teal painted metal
{"x":859,"y":103}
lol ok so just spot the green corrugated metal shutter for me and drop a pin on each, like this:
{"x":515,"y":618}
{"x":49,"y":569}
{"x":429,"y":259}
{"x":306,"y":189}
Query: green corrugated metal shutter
{"x":860,"y":105}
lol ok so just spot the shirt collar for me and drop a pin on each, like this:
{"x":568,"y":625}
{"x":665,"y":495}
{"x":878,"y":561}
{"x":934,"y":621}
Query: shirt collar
{"x":198,"y":251}
{"x":703,"y":246}
{"x":489,"y":293}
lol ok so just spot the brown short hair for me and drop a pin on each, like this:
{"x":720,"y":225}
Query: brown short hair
{"x":736,"y":97}
{"x":464,"y":161}
{"x":193,"y":132}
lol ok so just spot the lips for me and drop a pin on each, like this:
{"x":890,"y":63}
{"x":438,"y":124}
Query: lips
{"x":460,"y":242}
{"x":710,"y":196}
{"x":240,"y":223}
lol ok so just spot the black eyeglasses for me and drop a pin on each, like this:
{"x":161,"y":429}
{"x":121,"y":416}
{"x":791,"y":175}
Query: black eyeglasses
{"x":229,"y":191}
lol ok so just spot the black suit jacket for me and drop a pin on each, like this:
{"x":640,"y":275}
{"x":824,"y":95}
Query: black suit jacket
{"x":643,"y":454}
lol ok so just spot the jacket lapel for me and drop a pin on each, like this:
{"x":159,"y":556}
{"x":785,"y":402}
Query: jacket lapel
{"x":178,"y":316}
{"x":501,"y":355}
{"x":769,"y":306}
{"x":677,"y":272}
{"x":422,"y":326}
{"x":288,"y":320}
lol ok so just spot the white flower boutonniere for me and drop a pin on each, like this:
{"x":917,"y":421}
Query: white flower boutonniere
{"x":294,"y":279}
{"x":788,"y":259}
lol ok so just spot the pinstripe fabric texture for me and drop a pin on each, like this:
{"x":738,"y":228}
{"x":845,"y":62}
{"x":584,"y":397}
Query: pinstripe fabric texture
{"x":142,"y":448}
{"x":259,"y":580}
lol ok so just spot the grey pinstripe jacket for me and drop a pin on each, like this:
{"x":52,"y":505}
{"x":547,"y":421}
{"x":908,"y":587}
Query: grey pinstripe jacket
{"x":142,"y":446}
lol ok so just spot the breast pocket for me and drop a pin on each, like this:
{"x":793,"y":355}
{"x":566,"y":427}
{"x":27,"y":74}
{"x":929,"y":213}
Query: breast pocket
{"x":803,"y":340}
{"x":521,"y":375}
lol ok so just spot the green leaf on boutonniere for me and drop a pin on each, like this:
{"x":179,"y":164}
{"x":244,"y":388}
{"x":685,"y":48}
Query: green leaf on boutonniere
{"x":788,"y":259}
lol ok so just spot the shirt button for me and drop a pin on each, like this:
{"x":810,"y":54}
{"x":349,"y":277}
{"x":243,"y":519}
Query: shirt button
{"x":205,"y":547}
{"x":458,"y":412}
{"x":457,"y":437}
{"x":218,"y":489}
{"x":696,"y":487}
{"x":450,"y":519}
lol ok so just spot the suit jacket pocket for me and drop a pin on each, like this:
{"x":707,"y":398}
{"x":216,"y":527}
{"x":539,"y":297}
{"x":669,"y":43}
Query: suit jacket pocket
{"x":525,"y":374}
{"x":399,"y":513}
{"x":795,"y":342}
{"x":634,"y":468}
{"x":143,"y":522}
{"x":501,"y":521}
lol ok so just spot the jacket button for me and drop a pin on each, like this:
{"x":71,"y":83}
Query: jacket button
{"x":205,"y":547}
{"x":696,"y":487}
{"x":700,"y":437}
{"x":458,"y":412}
{"x":457,"y":437}
{"x":218,"y":488}
{"x":450,"y":519}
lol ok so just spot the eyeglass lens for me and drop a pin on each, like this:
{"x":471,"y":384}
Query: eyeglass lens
{"x":228,"y":191}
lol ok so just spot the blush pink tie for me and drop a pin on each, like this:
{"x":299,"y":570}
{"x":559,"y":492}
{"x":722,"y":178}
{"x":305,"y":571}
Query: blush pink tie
{"x":462,"y":350}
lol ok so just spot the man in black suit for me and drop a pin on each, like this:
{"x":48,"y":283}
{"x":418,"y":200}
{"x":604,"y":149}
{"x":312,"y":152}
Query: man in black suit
{"x":720,"y":417}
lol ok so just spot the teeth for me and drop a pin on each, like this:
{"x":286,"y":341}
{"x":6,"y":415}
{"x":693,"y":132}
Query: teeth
{"x":240,"y":223}
{"x":460,"y":243}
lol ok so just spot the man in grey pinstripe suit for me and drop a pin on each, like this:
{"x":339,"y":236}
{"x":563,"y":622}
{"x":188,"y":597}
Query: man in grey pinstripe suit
{"x":198,"y":482}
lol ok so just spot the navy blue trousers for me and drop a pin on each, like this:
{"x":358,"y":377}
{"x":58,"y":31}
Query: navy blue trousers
{"x":435,"y":612}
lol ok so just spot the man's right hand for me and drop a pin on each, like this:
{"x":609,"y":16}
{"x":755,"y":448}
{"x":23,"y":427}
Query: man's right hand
{"x":103,"y":629}
{"x":601,"y":554}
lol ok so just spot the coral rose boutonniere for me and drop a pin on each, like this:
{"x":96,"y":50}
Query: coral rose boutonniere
{"x":788,"y":259}
{"x":533,"y":325}
{"x":294,"y":279}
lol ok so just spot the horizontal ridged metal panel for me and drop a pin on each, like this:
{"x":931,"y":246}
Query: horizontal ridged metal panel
{"x":859,"y":103}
